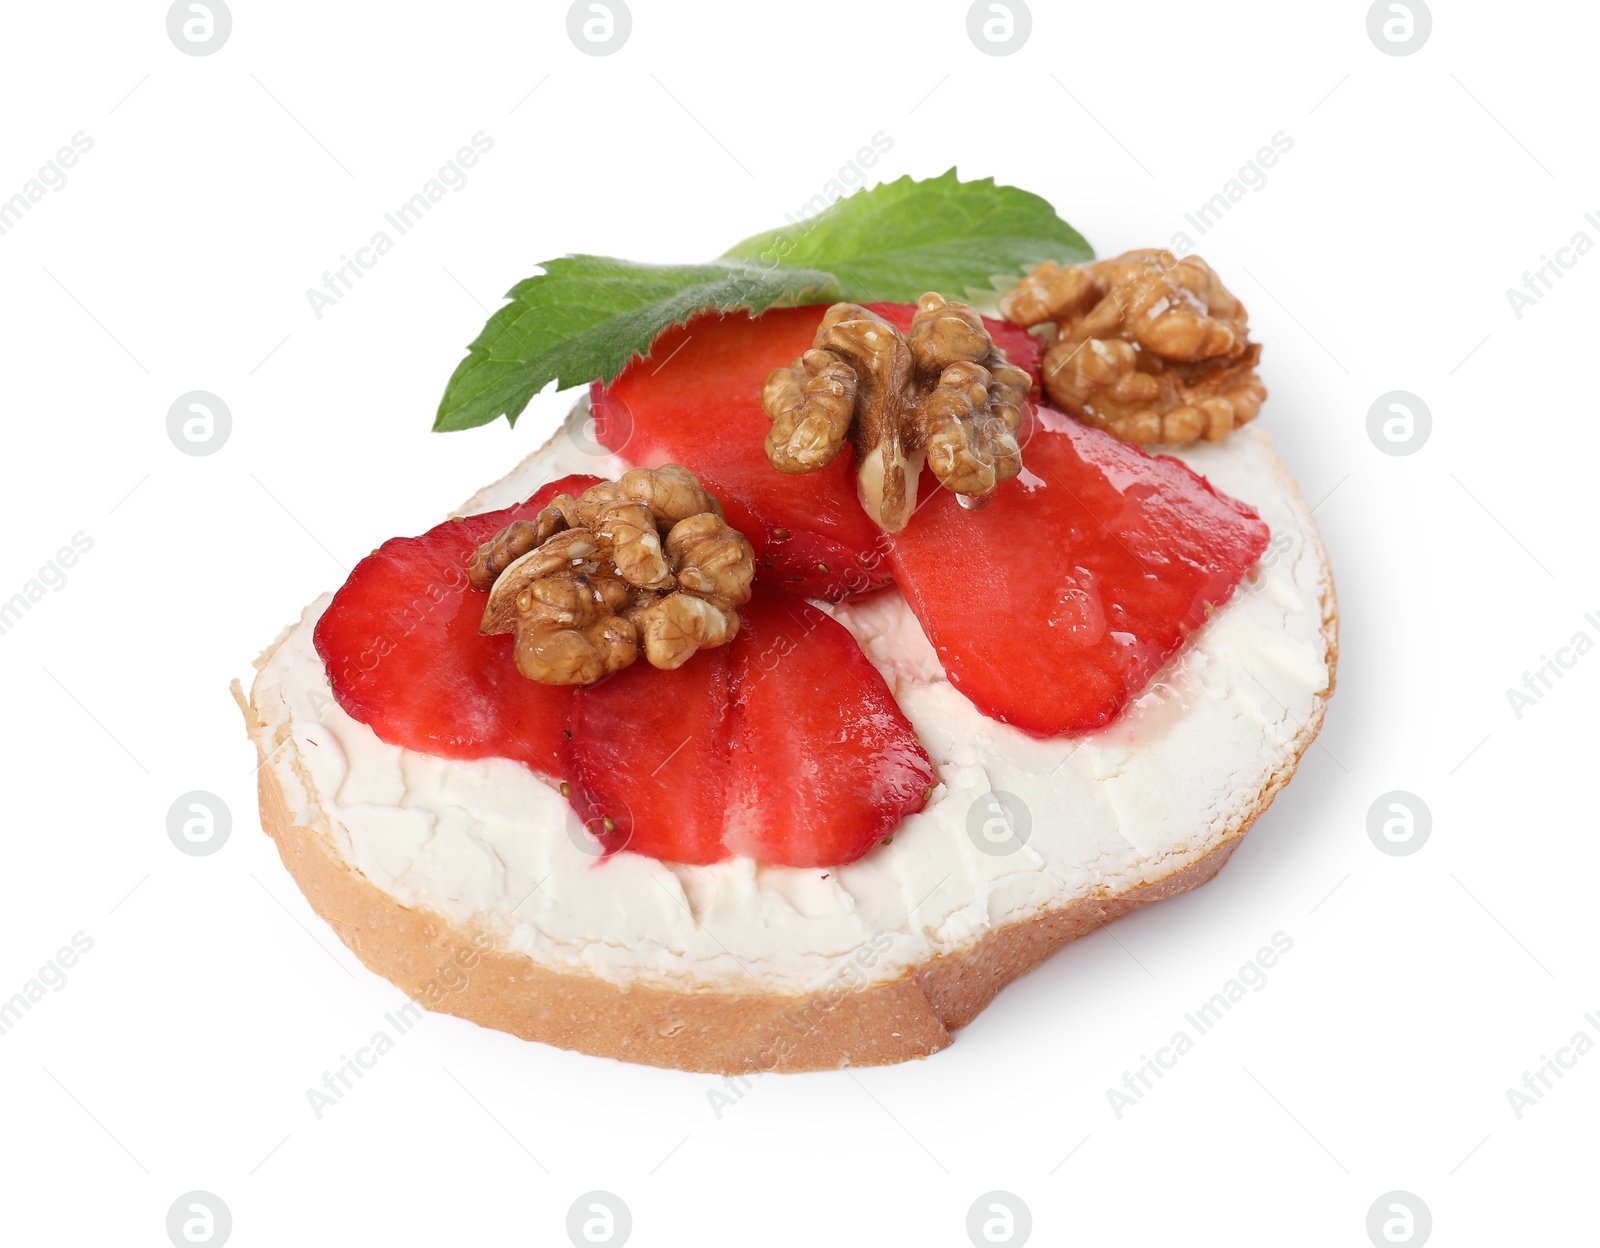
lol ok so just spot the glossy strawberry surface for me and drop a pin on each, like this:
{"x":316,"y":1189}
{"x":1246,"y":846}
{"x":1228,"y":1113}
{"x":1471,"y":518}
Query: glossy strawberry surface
{"x":1052,"y":608}
{"x":648,"y":766}
{"x":786,"y":747}
{"x":401,"y":646}
{"x":825,"y":762}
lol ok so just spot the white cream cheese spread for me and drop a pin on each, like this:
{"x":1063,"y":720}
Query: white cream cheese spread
{"x":491,"y":847}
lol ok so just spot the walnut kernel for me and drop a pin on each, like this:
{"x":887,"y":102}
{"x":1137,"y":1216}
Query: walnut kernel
{"x":945,"y":395}
{"x":646,"y":560}
{"x":1148,"y":347}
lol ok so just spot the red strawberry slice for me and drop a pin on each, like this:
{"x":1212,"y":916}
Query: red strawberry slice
{"x":825,"y":762}
{"x":696,"y":401}
{"x":787,"y":747}
{"x":1054,"y":607}
{"x":400,"y":642}
{"x":648,"y":765}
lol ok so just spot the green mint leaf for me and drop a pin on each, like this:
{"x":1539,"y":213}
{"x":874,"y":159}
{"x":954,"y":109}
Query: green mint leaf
{"x":587,"y":316}
{"x":899,"y":239}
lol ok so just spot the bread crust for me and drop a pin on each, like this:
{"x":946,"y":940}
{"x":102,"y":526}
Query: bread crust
{"x":451,"y":969}
{"x":448,"y":968}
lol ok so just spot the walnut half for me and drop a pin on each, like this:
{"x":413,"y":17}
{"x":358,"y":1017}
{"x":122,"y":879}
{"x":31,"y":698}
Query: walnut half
{"x":646,"y":560}
{"x":1148,"y":347}
{"x":945,"y":395}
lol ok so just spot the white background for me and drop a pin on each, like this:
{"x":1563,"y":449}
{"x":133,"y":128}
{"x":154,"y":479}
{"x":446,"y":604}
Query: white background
{"x":1377,"y":257}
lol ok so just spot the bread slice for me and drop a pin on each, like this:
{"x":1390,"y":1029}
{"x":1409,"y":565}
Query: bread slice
{"x":465,"y":885}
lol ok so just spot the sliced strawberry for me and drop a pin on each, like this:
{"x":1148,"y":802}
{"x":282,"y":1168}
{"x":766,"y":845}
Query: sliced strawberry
{"x":825,"y":762}
{"x":648,"y":764}
{"x":401,"y":644}
{"x":787,"y":747}
{"x":1053,"y":607}
{"x":696,"y":401}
